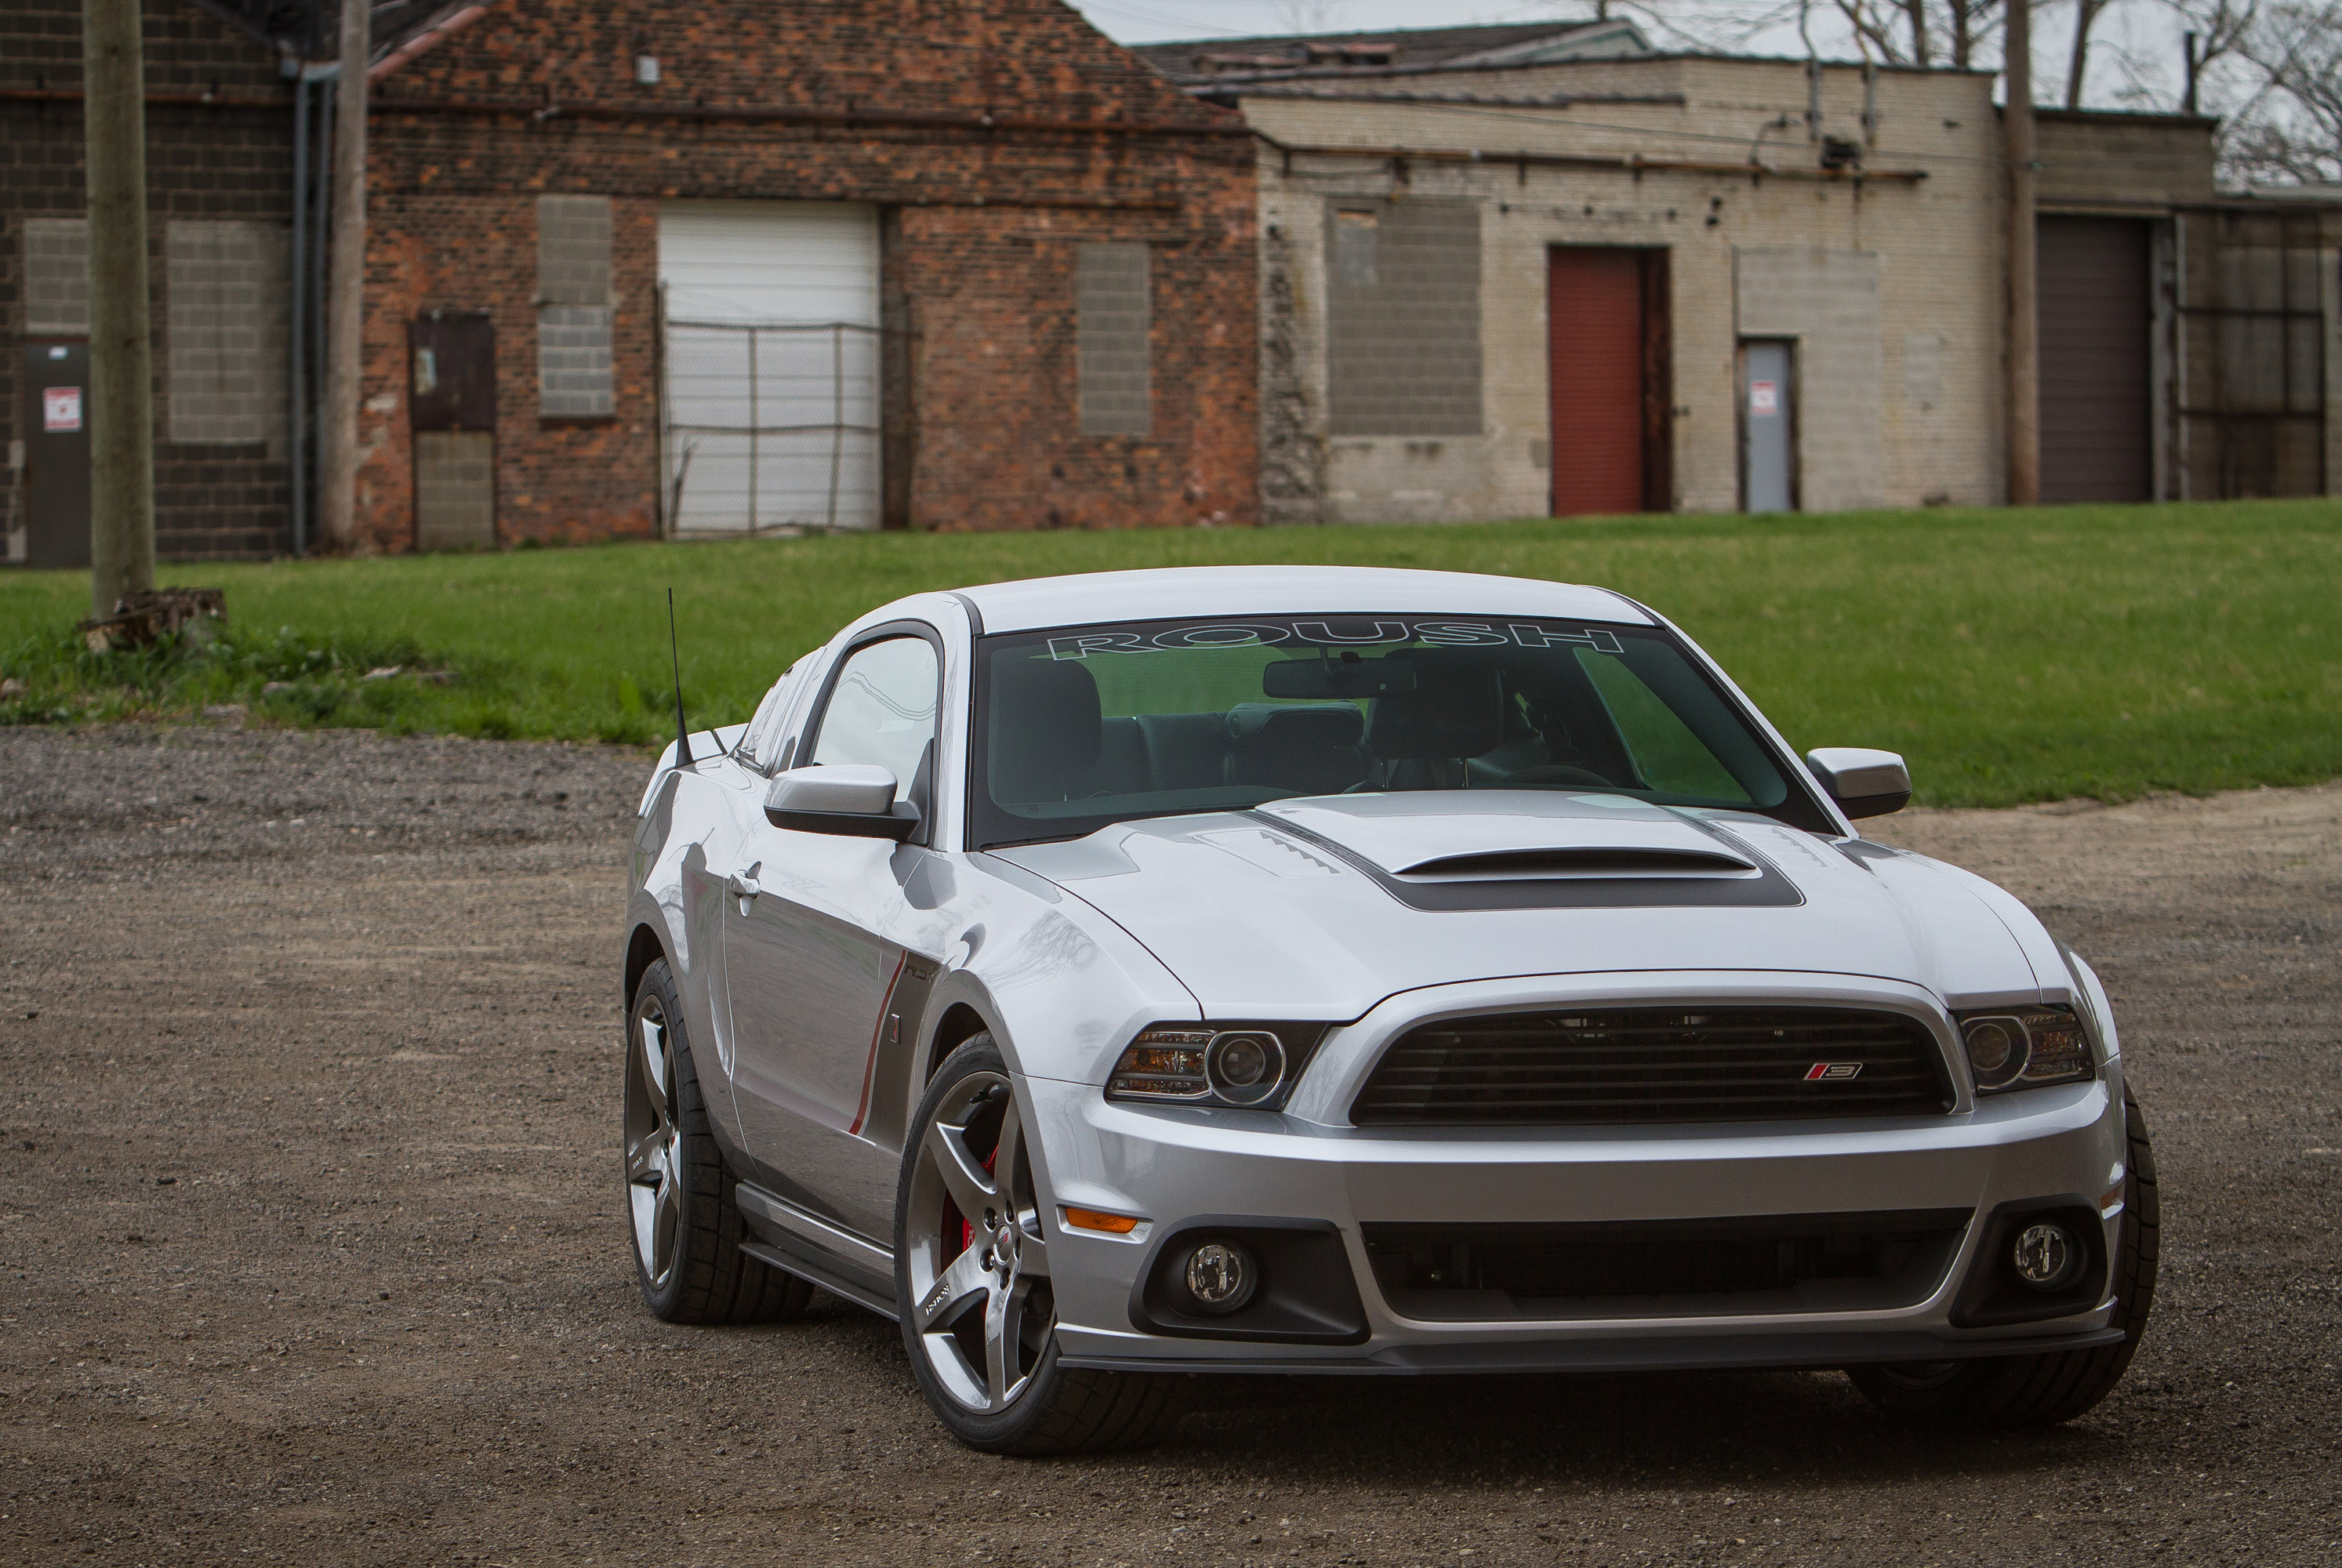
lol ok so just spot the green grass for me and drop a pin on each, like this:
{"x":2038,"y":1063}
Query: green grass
{"x":2011,"y":655}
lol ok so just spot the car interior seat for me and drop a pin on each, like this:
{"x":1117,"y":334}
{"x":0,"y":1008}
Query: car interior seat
{"x":1044,"y":733}
{"x":1422,"y":739}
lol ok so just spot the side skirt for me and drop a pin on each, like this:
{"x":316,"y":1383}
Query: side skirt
{"x":839,"y":1260}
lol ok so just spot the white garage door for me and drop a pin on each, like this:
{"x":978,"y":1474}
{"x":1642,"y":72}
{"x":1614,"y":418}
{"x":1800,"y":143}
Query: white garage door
{"x":772,"y":364}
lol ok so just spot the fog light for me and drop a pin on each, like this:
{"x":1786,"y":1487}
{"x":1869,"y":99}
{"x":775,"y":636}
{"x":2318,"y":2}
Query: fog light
{"x":2046,"y":1256}
{"x":1220,"y":1276}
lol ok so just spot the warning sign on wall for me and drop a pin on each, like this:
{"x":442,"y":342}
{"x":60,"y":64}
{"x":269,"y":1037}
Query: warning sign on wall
{"x":60,"y":408}
{"x":1764,"y":397}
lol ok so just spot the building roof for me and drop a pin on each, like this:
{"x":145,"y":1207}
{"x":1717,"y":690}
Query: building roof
{"x":1401,"y":51}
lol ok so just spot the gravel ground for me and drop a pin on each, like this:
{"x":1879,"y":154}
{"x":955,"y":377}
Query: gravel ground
{"x":310,"y":1246}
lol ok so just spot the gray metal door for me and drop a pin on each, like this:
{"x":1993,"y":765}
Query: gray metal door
{"x":1768,"y":440}
{"x":57,"y":455}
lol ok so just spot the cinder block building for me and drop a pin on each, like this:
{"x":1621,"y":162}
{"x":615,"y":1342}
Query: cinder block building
{"x":633,"y":270}
{"x":219,"y":161}
{"x":1529,"y":270}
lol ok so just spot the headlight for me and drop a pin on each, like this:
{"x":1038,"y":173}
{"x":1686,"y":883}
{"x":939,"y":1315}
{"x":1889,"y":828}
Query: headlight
{"x":2025,"y":1046}
{"x":1205,"y":1065}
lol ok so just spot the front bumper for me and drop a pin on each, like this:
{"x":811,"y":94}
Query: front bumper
{"x":1171,"y":1164}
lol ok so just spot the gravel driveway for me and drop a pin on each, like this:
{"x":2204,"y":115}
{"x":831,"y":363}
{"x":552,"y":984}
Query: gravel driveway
{"x":310,"y":1245}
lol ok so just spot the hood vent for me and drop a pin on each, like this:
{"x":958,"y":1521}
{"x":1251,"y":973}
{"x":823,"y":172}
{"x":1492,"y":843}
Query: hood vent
{"x":1588,"y":861}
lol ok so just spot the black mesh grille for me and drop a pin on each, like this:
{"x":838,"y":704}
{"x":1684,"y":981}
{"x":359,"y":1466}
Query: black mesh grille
{"x":1767,"y":1264}
{"x":1579,"y":1068}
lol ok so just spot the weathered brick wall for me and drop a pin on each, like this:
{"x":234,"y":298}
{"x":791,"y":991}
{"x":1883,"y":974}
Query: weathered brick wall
{"x":228,"y":160}
{"x":980,"y":228}
{"x":558,"y":479}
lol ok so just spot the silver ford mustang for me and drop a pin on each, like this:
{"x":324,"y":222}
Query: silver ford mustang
{"x":1320,"y":970}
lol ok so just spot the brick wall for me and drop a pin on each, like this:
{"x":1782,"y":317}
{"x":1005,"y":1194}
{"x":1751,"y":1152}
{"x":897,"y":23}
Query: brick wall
{"x":981,"y":229}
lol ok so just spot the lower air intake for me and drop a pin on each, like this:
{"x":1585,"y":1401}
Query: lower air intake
{"x":1583,"y":1068}
{"x":1764,"y":1264}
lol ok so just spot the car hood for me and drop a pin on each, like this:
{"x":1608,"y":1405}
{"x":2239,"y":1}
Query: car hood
{"x":1320,"y":908}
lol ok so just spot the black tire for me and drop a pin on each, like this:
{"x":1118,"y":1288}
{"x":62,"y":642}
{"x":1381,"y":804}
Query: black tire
{"x":706,"y":1279}
{"x":2043,"y":1390}
{"x":1058,"y":1409}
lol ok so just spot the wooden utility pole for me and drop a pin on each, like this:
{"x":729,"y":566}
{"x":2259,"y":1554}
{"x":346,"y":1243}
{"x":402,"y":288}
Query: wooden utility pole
{"x":2024,"y":303}
{"x":338,"y":420}
{"x":121,"y":370}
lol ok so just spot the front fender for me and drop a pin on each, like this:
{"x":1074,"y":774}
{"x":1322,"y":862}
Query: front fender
{"x":673,"y":895}
{"x":1061,"y":988}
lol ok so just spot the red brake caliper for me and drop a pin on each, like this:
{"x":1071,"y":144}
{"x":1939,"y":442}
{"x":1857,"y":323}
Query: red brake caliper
{"x":967,"y":1226}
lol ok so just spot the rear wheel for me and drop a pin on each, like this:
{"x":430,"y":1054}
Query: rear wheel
{"x":687,"y":1228}
{"x":972,"y":1271}
{"x":2042,"y":1390}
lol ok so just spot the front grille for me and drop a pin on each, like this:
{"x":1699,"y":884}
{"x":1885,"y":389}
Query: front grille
{"x":1665,"y":1268}
{"x":1643,"y":1064}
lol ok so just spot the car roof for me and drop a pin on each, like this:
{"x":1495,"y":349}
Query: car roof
{"x":1181,"y":593}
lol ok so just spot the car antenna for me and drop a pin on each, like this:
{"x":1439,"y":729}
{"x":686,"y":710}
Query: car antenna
{"x":682,"y":734}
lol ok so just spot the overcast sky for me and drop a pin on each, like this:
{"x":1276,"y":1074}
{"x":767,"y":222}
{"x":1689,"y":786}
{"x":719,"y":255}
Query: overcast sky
{"x":2135,"y":41}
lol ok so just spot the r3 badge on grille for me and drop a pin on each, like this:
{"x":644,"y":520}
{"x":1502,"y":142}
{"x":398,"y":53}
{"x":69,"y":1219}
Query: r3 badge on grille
{"x":1832,"y":1070}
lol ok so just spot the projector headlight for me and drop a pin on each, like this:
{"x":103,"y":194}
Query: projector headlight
{"x":1208,"y":1065}
{"x":2024,"y":1047}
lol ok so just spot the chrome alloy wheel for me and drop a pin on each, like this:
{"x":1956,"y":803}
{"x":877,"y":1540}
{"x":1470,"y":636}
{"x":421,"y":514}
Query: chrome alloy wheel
{"x":978,"y":1263}
{"x":654,"y":1139}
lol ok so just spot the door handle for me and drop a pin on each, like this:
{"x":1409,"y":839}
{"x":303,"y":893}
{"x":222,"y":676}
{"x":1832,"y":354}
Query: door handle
{"x":743,"y":886}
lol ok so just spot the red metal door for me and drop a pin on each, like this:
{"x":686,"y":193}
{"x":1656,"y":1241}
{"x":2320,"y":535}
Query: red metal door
{"x":1594,"y":308}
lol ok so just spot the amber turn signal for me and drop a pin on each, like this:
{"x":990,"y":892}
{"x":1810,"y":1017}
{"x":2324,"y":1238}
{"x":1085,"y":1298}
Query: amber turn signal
{"x":1091,"y":1220}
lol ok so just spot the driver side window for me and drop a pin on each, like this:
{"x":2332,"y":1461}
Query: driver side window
{"x":883,"y":709}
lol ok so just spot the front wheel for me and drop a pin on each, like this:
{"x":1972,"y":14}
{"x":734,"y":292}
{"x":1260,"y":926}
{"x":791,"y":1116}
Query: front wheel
{"x":972,"y":1271}
{"x":688,"y":1262}
{"x":2043,"y":1390}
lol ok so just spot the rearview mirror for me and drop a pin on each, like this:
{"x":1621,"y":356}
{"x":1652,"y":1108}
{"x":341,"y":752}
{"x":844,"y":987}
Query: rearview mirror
{"x":854,"y":799}
{"x":1347,"y":677}
{"x":1863,"y":781}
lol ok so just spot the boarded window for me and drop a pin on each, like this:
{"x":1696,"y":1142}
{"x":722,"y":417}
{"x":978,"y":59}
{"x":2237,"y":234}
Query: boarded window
{"x":56,"y":275}
{"x":1403,"y":319}
{"x":572,"y":294}
{"x":224,"y":284}
{"x":1110,"y":305}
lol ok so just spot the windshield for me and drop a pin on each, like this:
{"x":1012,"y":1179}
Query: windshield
{"x":1078,"y":727}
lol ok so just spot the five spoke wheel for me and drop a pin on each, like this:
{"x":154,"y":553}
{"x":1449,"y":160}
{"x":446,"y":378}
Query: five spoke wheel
{"x":979,"y":1263}
{"x":653,"y":1138}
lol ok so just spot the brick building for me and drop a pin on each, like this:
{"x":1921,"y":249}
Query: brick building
{"x":1521,"y":270}
{"x":632,"y":269}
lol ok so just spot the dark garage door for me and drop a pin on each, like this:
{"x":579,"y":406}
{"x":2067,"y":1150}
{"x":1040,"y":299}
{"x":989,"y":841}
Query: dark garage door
{"x":2096,"y":316}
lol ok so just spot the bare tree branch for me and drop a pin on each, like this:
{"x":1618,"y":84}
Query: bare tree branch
{"x":2078,"y":67}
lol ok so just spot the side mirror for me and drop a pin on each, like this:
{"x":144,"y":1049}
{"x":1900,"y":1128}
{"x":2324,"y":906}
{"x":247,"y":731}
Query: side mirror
{"x":1863,"y":781}
{"x":853,"y":799}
